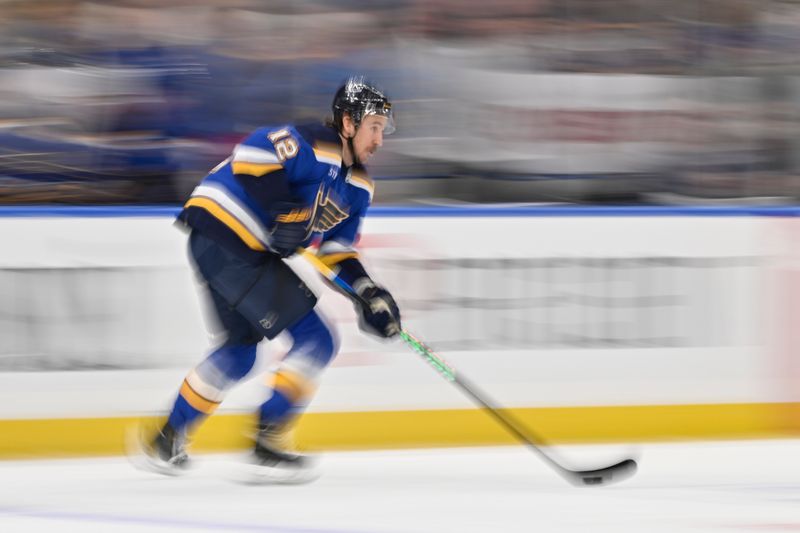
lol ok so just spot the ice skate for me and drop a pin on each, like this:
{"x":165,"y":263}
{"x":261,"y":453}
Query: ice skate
{"x":162,"y":453}
{"x":271,"y":464}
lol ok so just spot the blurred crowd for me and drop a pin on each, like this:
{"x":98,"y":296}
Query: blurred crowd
{"x":584,"y":101}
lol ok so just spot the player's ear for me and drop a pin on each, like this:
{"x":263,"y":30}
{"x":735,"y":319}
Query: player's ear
{"x":348,"y":126}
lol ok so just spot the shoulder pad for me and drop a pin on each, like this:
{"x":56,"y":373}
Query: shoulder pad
{"x":324,"y":141}
{"x":255,"y":155}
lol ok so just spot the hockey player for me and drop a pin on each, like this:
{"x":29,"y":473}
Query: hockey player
{"x":280,"y":188}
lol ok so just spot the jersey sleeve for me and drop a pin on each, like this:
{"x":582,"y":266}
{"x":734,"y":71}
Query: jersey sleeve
{"x":340,"y":242}
{"x":338,"y":247}
{"x":284,"y":162}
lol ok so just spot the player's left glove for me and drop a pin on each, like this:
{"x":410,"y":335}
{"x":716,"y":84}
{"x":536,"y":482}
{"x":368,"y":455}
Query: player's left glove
{"x":380,"y":316}
{"x":290,"y":228}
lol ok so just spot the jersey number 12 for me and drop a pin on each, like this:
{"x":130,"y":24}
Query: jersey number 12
{"x":285,"y":145}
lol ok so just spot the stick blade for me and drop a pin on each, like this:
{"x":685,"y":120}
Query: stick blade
{"x":604,"y":476}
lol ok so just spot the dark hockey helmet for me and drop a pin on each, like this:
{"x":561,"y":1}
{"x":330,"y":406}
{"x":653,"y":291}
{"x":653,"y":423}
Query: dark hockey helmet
{"x":359,"y":98}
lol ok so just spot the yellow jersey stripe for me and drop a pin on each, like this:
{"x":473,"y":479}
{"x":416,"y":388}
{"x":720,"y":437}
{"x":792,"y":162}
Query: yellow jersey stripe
{"x":226,"y":218}
{"x":327,"y":146}
{"x":254,"y":169}
{"x":324,"y":156}
{"x":209,"y":391}
{"x":333,"y":259}
{"x":195,"y":400}
{"x":363,"y":183}
{"x":292,"y":385}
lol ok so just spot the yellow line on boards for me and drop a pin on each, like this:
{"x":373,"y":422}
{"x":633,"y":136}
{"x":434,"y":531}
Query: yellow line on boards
{"x":70,"y":437}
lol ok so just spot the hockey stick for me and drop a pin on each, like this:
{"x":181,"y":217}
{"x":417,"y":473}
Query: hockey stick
{"x":601,"y":476}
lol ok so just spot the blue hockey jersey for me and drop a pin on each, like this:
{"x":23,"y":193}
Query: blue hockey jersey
{"x":233,"y":203}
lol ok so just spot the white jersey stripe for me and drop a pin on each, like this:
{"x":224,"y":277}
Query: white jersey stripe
{"x":329,"y":159}
{"x":223,"y":197}
{"x":361,"y":184}
{"x":251,"y":154}
{"x":214,"y":392}
{"x":335,"y":247}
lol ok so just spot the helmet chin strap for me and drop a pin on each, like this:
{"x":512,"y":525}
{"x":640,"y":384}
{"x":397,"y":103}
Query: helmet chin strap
{"x":356,"y":161}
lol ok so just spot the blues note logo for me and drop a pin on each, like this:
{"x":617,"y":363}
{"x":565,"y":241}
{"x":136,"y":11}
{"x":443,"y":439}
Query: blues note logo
{"x":328,"y":213}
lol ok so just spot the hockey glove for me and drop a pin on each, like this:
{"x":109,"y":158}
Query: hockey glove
{"x":378,"y":315}
{"x":290,"y":228}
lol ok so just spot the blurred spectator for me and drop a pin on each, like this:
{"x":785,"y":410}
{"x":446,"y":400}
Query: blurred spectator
{"x":131,"y":101}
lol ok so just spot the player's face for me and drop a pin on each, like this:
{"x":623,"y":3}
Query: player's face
{"x":369,"y":136}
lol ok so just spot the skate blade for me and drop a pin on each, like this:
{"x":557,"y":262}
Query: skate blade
{"x":135,"y":437}
{"x":249,"y":473}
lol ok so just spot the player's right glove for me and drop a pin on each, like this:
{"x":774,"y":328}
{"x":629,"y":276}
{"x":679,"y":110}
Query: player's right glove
{"x":290,"y":227}
{"x":378,"y":315}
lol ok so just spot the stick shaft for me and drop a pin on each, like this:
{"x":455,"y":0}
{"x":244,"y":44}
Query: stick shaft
{"x":481,"y":398}
{"x":441,"y":366}
{"x":504,"y":418}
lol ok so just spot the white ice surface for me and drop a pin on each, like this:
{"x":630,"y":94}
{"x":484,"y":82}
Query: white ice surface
{"x":688,"y":487}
